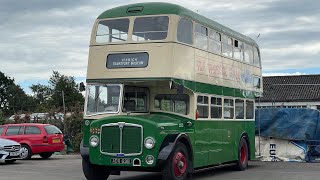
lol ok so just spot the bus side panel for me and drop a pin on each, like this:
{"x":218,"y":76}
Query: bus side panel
{"x":231,"y":135}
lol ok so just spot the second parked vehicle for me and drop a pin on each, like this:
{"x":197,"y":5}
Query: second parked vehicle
{"x":42,"y":139}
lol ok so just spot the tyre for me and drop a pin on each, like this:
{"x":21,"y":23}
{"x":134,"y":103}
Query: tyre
{"x":10,"y":161}
{"x":177,"y":165}
{"x":26,"y":152}
{"x":243,"y":155}
{"x":94,"y":172}
{"x":46,"y":155}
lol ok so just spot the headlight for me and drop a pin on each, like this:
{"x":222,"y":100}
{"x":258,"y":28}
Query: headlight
{"x":149,"y":142}
{"x":94,"y":141}
{"x":1,"y":148}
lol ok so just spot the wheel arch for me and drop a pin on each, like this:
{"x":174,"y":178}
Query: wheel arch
{"x":26,"y":143}
{"x":169,"y":143}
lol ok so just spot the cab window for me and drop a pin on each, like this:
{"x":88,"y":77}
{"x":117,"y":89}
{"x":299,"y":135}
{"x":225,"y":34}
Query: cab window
{"x":172,"y":103}
{"x":135,"y":99}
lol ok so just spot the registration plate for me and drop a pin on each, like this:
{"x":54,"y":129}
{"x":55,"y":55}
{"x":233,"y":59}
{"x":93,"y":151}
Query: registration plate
{"x":14,"y":153}
{"x":56,"y":140}
{"x":121,"y":161}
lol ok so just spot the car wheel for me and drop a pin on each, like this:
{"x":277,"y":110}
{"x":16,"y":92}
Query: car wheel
{"x":177,"y":165}
{"x":94,"y":172}
{"x":26,"y":152}
{"x":10,"y":161}
{"x":46,"y":155}
{"x":243,"y":154}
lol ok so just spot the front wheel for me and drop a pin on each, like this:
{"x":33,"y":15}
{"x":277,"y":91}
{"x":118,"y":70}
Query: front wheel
{"x":177,"y":165}
{"x":94,"y":172}
{"x":25,"y":152}
{"x":243,"y":153}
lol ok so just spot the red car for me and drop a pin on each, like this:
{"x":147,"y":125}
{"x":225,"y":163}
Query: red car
{"x":42,"y":139}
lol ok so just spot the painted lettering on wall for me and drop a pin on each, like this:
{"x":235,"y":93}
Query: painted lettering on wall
{"x":272,"y":152}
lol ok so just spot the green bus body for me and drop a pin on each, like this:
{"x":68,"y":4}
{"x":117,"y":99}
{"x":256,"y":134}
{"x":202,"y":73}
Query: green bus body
{"x":212,"y":141}
{"x":209,"y":141}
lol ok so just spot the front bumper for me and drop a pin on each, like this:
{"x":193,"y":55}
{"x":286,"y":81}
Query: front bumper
{"x":4,"y":156}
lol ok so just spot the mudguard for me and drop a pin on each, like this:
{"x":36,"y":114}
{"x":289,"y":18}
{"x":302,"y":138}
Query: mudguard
{"x":84,"y":151}
{"x":169,"y":143}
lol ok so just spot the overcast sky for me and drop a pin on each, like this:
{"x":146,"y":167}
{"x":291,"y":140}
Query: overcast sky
{"x":38,"y":36}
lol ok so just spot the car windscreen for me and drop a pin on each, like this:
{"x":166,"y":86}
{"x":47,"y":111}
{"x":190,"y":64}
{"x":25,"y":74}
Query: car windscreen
{"x":51,"y":129}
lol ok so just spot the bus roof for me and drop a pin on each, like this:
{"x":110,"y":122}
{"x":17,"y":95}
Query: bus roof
{"x":155,"y":8}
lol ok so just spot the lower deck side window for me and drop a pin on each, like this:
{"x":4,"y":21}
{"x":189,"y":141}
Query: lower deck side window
{"x":249,"y":110}
{"x":203,"y":106}
{"x":228,"y":112}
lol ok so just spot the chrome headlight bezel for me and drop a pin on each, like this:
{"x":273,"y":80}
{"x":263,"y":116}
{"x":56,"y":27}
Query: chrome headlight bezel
{"x":94,"y":141}
{"x":149,"y":142}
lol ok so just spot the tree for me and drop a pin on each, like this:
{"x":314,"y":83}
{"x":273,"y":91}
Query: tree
{"x":50,"y":96}
{"x":5,"y":83}
{"x":67,"y":84}
{"x":19,"y":101}
{"x":42,"y":94}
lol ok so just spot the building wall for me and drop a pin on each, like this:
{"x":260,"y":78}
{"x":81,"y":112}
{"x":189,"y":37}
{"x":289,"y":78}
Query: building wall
{"x":311,"y":105}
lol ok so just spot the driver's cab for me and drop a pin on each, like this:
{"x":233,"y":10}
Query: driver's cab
{"x":103,"y":100}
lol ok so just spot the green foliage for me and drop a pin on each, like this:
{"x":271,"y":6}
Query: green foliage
{"x":12,"y":98}
{"x":2,"y":121}
{"x":73,"y":126}
{"x":67,"y":84}
{"x":5,"y":83}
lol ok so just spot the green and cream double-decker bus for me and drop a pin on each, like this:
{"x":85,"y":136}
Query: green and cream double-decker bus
{"x":167,"y":90}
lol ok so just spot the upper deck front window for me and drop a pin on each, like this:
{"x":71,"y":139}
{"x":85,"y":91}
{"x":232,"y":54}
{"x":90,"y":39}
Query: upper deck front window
{"x":110,"y":31}
{"x":103,"y":99}
{"x":150,"y":28}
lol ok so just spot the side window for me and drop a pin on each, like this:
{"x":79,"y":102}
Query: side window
{"x":172,"y":103}
{"x":238,"y":50}
{"x":248,"y":54}
{"x":227,"y":46}
{"x":256,"y":57}
{"x":185,"y":31}
{"x":249,"y":110}
{"x":1,"y":130}
{"x":203,"y":106}
{"x":216,"y":107}
{"x":14,"y":130}
{"x":32,"y":130}
{"x":215,"y":42}
{"x":228,"y":112}
{"x":201,"y":37}
{"x":239,"y":109}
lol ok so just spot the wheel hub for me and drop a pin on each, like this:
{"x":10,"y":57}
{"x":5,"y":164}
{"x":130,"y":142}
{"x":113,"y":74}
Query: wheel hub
{"x":179,"y":164}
